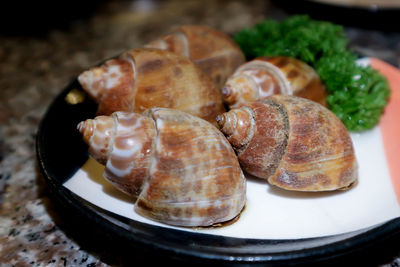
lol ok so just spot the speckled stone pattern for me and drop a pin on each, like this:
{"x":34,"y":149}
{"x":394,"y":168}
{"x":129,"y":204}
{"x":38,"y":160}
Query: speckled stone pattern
{"x":34,"y":69}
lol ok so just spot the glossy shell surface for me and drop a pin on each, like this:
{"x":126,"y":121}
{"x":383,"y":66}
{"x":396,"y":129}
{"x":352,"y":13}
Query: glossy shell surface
{"x":146,"y":78}
{"x":213,"y":51}
{"x":180,"y":168}
{"x":294,"y":143}
{"x":265,"y":76}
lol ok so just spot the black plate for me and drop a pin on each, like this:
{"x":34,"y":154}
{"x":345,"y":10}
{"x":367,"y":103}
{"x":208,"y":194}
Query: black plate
{"x":59,"y":160}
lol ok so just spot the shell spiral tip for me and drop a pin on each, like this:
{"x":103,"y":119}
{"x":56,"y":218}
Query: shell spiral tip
{"x":226,"y":123}
{"x":80,"y":126}
{"x":86,"y":128}
{"x":220,"y":120}
{"x":226,"y":91}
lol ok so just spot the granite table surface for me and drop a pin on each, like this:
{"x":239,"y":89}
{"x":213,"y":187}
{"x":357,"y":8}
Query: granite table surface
{"x":34,"y":69}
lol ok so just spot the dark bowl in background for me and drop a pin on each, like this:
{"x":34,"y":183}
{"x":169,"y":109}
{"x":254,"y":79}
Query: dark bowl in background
{"x":32,"y":18}
{"x":372,"y":17}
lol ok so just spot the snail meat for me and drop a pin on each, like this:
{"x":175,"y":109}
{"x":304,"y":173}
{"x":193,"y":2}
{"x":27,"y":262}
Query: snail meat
{"x":265,"y":76}
{"x":180,"y":168}
{"x":292,"y":142}
{"x":144,"y":78}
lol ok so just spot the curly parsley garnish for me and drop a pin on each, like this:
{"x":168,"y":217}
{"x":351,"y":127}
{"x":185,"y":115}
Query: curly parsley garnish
{"x":356,"y":94}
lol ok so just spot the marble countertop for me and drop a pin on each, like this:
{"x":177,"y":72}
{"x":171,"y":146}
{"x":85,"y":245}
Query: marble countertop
{"x":35,"y":68}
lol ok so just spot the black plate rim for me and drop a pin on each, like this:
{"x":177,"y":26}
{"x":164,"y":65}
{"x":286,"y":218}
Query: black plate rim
{"x":338,"y":245}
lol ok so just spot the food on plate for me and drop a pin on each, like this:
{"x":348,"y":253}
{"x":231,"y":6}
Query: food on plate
{"x":213,"y":51}
{"x":180,"y":168}
{"x":265,"y":76}
{"x":356,"y":94}
{"x":144,"y":78}
{"x":294,"y":143}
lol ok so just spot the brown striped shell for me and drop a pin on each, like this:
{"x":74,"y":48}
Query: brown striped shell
{"x":145,"y":78}
{"x":213,"y":51}
{"x":180,"y":168}
{"x":292,"y":142}
{"x":265,"y":76}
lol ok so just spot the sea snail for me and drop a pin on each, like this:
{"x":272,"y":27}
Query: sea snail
{"x":294,"y":143}
{"x":144,"y":78}
{"x":265,"y":76}
{"x":213,"y":51}
{"x":180,"y":168}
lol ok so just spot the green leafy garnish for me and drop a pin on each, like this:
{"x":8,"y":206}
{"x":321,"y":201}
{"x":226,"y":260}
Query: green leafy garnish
{"x":356,"y":94}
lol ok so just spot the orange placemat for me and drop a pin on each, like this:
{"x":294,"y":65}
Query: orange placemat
{"x":390,"y":121}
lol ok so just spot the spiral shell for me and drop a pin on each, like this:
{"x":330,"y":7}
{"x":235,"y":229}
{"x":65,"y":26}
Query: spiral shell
{"x":145,"y":78}
{"x":292,"y":142}
{"x":180,"y":168}
{"x":265,"y":76}
{"x":213,"y":51}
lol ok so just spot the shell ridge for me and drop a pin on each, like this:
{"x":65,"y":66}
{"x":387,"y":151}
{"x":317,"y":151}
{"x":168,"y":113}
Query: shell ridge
{"x":311,"y":168}
{"x":204,"y":202}
{"x":183,"y":37}
{"x":286,"y":140}
{"x":250,"y":131}
{"x":226,"y":52}
{"x":160,"y":43}
{"x":145,"y":184}
{"x":114,"y":116}
{"x":330,"y":158}
{"x":132,"y":62}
